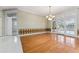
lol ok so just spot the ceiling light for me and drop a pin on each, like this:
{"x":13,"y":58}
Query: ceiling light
{"x":50,"y":16}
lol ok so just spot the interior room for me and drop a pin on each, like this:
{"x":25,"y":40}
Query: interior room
{"x":39,"y":29}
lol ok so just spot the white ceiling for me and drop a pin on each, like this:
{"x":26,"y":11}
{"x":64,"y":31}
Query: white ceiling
{"x":44,"y":10}
{"x":40,"y":10}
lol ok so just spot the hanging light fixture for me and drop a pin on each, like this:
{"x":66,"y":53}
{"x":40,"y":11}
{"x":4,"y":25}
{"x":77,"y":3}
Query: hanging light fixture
{"x":50,"y":16}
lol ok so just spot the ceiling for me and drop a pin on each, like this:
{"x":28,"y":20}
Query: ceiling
{"x":40,"y":10}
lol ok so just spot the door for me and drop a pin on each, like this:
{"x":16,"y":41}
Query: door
{"x":8,"y":26}
{"x":10,"y":23}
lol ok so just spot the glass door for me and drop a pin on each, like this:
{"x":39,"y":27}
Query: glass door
{"x":58,"y":26}
{"x":70,"y":26}
{"x":64,"y":26}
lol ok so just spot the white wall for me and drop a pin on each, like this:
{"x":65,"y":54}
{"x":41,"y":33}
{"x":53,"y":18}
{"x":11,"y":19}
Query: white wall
{"x":28,"y":20}
{"x":49,"y":24}
{"x":78,"y":19}
{"x":1,"y":23}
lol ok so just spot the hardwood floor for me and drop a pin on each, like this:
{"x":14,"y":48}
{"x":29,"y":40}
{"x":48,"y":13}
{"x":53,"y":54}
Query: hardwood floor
{"x":53,"y":43}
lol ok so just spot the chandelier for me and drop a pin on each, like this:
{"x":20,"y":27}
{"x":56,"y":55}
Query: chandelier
{"x":50,"y":16}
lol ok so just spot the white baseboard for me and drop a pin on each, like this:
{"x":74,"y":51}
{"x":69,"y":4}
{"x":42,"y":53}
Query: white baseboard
{"x":47,"y":32}
{"x":65,"y":34}
{"x":35,"y":33}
